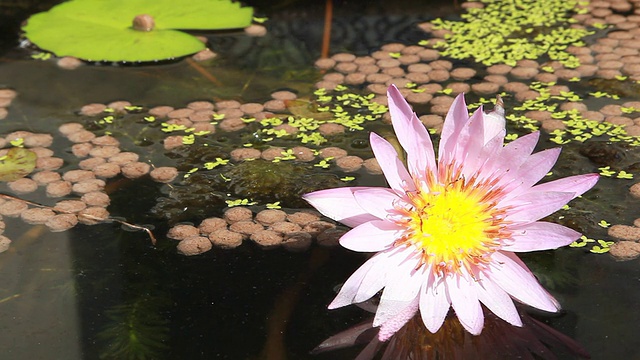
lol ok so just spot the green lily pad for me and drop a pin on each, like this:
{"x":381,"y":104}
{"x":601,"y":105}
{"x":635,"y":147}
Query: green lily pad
{"x":102,"y":30}
{"x":18,"y":163}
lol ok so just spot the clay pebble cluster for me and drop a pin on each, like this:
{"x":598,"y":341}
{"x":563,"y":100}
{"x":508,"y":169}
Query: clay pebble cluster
{"x":89,"y":206}
{"x":628,"y":245}
{"x":270,"y":228}
{"x":344,"y":161}
{"x":425,"y":78}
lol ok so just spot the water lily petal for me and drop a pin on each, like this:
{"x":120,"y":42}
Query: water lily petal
{"x":497,"y":301}
{"x":513,"y":276}
{"x":340,"y":205}
{"x":395,"y":323}
{"x":540,"y":235}
{"x":434,"y":305}
{"x":534,"y":206}
{"x":412,"y":134}
{"x":477,"y":161}
{"x":377,"y":277}
{"x":464,"y":301}
{"x":394,"y":171}
{"x":511,"y":156}
{"x":494,"y":121}
{"x":371,"y":236}
{"x":377,"y":201}
{"x":453,"y":123}
{"x":578,"y":184}
{"x":350,"y":288}
{"x":531,"y":171}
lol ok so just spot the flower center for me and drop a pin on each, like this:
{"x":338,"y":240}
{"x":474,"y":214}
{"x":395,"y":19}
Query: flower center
{"x":453,"y":224}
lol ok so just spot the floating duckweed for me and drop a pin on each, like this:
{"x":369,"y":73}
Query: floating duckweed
{"x":499,"y":32}
{"x":604,"y":224}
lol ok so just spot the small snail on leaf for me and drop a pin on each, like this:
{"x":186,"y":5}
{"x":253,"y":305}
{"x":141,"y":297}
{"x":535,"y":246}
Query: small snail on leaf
{"x":143,"y":22}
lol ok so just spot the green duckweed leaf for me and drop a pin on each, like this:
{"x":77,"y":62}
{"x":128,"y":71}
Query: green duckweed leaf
{"x":102,"y":30}
{"x":18,"y":163}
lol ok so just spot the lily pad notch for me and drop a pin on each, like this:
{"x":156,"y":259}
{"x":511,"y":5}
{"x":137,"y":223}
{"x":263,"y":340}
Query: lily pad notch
{"x":131,"y":30}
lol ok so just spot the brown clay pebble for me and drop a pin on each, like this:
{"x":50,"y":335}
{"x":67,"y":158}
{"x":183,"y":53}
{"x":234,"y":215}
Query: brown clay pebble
{"x":58,"y":188}
{"x":303,"y":217}
{"x":270,"y":216}
{"x":372,"y":166}
{"x":297,"y":241}
{"x":69,"y":128}
{"x":90,"y":163}
{"x":78,"y":175}
{"x":316,"y":227}
{"x":92,"y":109}
{"x":12,"y":208}
{"x":303,"y":153}
{"x":635,"y":190}
{"x":105,"y":140}
{"x":49,"y":163}
{"x":38,"y":140}
{"x":244,"y":154}
{"x":35,"y":216}
{"x":123,"y":158}
{"x":275,"y":105}
{"x":238,"y":213}
{"x":231,"y":125}
{"x":81,"y":136}
{"x":45,"y":177}
{"x":226,"y":239}
{"x":285,"y":227}
{"x":625,"y":232}
{"x":272,"y":153}
{"x":625,"y":250}
{"x":334,"y":152}
{"x":251,"y":108}
{"x":204,"y":55}
{"x":245,"y":227}
{"x":107,"y":170}
{"x":118,"y":105}
{"x":329,"y":129}
{"x":69,"y":206}
{"x":164,"y":174}
{"x":93,"y":215}
{"x":135,"y":170}
{"x":267,"y":239}
{"x":207,"y":226}
{"x":182,"y":231}
{"x":200,"y":105}
{"x":160,"y":111}
{"x":96,"y":198}
{"x":87,"y":186}
{"x":23,"y":186}
{"x":462,"y":73}
{"x":350,"y":163}
{"x":62,"y":222}
{"x":194,"y":245}
{"x":330,"y":237}
{"x":69,"y":63}
{"x":172,"y":142}
{"x":284,"y":95}
{"x":325,"y":64}
{"x":104,"y":151}
{"x":81,"y":150}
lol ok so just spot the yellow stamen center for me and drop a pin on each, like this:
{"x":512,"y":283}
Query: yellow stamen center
{"x":453,"y":224}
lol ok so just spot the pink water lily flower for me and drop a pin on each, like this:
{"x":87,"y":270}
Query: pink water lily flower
{"x":446,"y":232}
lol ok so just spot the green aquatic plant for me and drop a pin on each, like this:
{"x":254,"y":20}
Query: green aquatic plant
{"x":504,"y":32}
{"x":17,"y":163}
{"x":136,"y":331}
{"x":262,"y":181}
{"x":131,"y":30}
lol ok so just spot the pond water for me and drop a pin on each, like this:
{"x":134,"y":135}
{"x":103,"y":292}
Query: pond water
{"x":105,"y":291}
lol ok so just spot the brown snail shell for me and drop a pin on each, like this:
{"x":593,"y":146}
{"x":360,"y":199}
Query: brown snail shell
{"x":143,"y":22}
